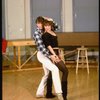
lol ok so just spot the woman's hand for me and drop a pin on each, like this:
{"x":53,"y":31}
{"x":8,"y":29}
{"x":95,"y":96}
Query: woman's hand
{"x":60,"y":56}
{"x":57,"y":59}
{"x":54,"y":58}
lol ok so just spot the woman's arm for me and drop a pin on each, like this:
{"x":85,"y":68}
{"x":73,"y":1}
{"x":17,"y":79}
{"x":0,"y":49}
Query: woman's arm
{"x":46,"y":41}
{"x":52,"y":51}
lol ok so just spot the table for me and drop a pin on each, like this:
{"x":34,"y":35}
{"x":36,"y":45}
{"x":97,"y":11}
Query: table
{"x":17,"y":44}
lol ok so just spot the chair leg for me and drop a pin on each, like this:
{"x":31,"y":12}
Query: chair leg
{"x":77,"y":62}
{"x":62,"y":54}
{"x":87,"y":63}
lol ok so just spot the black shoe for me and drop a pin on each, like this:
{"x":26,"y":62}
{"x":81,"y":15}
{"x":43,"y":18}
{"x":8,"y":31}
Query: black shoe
{"x":64,"y":98}
{"x":50,"y":96}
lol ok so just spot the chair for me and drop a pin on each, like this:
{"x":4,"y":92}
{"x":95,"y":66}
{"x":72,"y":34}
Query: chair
{"x":82,"y":58}
{"x":61,"y":51}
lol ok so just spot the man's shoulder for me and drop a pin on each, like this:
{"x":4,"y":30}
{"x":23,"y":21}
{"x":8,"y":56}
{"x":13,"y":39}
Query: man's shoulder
{"x":37,"y":30}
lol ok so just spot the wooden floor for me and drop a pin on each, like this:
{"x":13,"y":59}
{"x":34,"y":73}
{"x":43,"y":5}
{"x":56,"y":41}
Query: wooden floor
{"x":22,"y":85}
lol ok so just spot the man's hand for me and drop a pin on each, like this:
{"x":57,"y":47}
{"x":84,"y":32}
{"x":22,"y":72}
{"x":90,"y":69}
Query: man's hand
{"x":47,"y":18}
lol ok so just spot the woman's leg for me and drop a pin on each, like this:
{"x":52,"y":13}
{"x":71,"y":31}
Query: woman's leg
{"x":62,"y":67}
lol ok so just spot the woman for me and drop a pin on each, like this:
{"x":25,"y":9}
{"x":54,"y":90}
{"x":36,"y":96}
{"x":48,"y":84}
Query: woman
{"x":44,"y":58}
{"x":50,"y":40}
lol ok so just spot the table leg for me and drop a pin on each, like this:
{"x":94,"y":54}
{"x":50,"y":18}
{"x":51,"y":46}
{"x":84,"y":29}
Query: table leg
{"x":19,"y":58}
{"x":14,"y":54}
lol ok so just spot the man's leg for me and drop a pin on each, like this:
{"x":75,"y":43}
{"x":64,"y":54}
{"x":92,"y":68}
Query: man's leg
{"x":55,"y":73}
{"x":49,"y":87}
{"x":40,"y":90}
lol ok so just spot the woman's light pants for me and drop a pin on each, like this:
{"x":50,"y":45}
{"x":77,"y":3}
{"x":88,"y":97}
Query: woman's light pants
{"x":48,"y":66}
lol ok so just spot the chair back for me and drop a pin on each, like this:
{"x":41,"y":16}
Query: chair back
{"x":4,"y":45}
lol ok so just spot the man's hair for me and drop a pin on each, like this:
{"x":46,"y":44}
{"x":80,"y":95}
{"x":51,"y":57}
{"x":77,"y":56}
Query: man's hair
{"x":39,"y":19}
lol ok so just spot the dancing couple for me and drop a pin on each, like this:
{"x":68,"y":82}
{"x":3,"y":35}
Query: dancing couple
{"x":49,"y":56}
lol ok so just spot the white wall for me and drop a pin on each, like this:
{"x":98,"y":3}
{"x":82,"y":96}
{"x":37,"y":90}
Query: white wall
{"x":19,"y":22}
{"x":67,"y":16}
{"x":17,"y":19}
{"x":49,"y":8}
{"x":86,"y":15}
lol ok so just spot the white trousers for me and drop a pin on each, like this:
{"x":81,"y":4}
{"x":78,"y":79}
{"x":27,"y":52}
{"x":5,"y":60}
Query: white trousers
{"x":48,"y":66}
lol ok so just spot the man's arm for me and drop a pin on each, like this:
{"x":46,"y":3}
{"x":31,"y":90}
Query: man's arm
{"x":41,"y":47}
{"x":38,"y":40}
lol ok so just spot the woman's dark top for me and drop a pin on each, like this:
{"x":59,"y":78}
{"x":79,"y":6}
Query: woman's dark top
{"x":50,"y":40}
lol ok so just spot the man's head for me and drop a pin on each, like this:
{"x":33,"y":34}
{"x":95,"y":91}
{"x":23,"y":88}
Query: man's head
{"x":39,"y":22}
